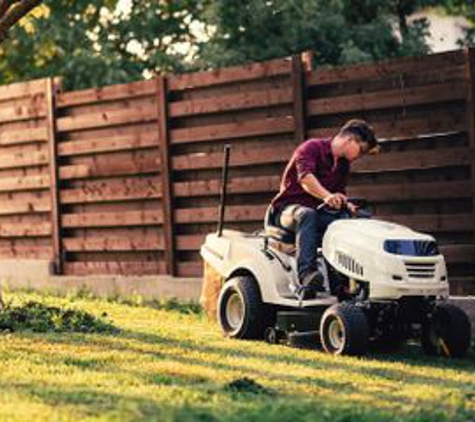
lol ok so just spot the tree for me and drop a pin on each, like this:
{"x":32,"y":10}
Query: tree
{"x":92,"y":44}
{"x":11,"y":11}
{"x":339,"y":31}
{"x":464,"y":8}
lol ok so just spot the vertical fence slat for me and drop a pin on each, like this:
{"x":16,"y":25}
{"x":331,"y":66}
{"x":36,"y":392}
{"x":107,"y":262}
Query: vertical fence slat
{"x":53,"y":173}
{"x":470,"y":62}
{"x":298,"y":87}
{"x":470,"y":57}
{"x":165,"y":173}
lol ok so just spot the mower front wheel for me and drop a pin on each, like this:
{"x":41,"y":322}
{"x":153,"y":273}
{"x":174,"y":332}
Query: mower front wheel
{"x":240,"y":309}
{"x":447,"y":332}
{"x":344,"y":330}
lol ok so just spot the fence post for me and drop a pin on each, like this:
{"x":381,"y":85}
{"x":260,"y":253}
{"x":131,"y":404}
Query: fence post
{"x":50,"y":93}
{"x":165,"y":173}
{"x":298,"y":88}
{"x":470,"y":104}
{"x":470,"y":62}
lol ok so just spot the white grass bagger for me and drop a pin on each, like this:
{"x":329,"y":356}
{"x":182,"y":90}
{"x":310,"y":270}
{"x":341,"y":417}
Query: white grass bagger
{"x":385,"y":282}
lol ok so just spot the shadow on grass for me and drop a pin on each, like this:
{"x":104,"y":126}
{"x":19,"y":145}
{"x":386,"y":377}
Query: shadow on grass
{"x":166,"y":349}
{"x":210,"y":405}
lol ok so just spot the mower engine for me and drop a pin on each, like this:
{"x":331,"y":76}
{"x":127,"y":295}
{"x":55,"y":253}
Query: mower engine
{"x":388,"y":260}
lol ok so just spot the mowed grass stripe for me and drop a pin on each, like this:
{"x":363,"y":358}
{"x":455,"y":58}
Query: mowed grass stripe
{"x":170,"y":365}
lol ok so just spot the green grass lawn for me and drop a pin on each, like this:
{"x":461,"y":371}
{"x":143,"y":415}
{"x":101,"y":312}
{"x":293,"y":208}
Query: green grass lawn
{"x":167,"y":365}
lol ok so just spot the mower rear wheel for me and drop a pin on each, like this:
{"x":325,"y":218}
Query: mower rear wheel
{"x":344,"y":330}
{"x":241,"y":313}
{"x":447,"y":332}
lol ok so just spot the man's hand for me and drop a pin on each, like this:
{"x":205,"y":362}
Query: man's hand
{"x":352,"y":208}
{"x":336,"y":200}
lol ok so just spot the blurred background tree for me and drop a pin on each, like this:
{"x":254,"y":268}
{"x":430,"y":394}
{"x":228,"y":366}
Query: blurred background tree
{"x":464,"y":8}
{"x":11,"y":11}
{"x":339,"y":31}
{"x":113,"y":41}
{"x":94,"y":44}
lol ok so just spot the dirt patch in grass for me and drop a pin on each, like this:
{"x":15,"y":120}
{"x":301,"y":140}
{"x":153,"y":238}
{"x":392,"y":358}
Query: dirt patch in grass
{"x":246,"y":385}
{"x":38,"y":317}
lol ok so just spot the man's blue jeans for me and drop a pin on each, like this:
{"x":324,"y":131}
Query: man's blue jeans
{"x":309,"y":225}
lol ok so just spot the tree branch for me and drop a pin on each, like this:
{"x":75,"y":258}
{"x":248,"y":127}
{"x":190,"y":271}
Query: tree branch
{"x":11,"y":11}
{"x":5,"y":5}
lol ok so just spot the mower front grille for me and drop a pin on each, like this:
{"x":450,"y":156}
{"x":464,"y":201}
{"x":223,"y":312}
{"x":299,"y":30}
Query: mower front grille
{"x":420,"y":269}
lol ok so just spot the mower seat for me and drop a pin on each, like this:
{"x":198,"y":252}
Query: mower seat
{"x":274,"y":230}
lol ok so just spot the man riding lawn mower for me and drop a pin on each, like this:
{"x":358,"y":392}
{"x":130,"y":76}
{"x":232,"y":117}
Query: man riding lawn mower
{"x":322,"y":270}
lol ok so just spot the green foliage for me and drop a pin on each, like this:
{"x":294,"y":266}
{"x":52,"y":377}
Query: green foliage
{"x":59,"y":42}
{"x":89,"y":44}
{"x":38,"y":317}
{"x":338,"y":31}
{"x":94,"y":44}
{"x":464,"y":8}
{"x":172,"y":304}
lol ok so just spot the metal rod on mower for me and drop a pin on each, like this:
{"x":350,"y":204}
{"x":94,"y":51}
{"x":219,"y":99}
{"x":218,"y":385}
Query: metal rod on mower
{"x":224,"y":185}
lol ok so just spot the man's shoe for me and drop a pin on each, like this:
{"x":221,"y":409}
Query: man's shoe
{"x":313,"y":281}
{"x":308,"y":293}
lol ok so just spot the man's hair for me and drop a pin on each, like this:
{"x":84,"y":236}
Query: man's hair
{"x":362,"y":131}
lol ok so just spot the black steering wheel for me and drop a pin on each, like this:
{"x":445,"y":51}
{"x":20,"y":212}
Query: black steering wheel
{"x":363,"y":209}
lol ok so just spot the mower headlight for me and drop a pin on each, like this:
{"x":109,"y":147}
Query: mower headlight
{"x":411,"y":247}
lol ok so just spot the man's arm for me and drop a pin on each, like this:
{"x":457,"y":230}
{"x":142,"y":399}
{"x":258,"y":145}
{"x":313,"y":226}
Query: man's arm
{"x":313,"y":186}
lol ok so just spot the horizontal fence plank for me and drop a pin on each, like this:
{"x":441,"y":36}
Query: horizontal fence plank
{"x":113,"y":190}
{"x":17,"y":113}
{"x":434,"y":222}
{"x":113,"y":219}
{"x":255,"y":213}
{"x":108,"y":244}
{"x":400,"y":161}
{"x":239,"y":158}
{"x":190,"y":269}
{"x":25,"y":230}
{"x":406,"y":128}
{"x":458,"y":253}
{"x":269,"y":126}
{"x":13,"y":207}
{"x":14,"y":184}
{"x":22,"y":89}
{"x":24,"y":159}
{"x":385,"y":69}
{"x":134,"y":142}
{"x":462,"y":286}
{"x":229,"y":75}
{"x":107,"y":93}
{"x":25,"y":252}
{"x":237,"y":185}
{"x":412,"y":191}
{"x":398,"y":98}
{"x":232,"y":102}
{"x":190,"y":242}
{"x":232,"y":214}
{"x":119,"y":268}
{"x":105,"y":119}
{"x":103,"y":167}
{"x":25,"y":136}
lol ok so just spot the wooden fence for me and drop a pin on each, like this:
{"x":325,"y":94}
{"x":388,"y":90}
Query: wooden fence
{"x":125,"y":179}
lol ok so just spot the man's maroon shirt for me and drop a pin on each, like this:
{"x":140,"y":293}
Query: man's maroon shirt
{"x":313,"y":156}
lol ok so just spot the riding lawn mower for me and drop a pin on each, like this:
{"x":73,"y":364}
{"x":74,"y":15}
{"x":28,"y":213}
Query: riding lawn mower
{"x":385,"y":284}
